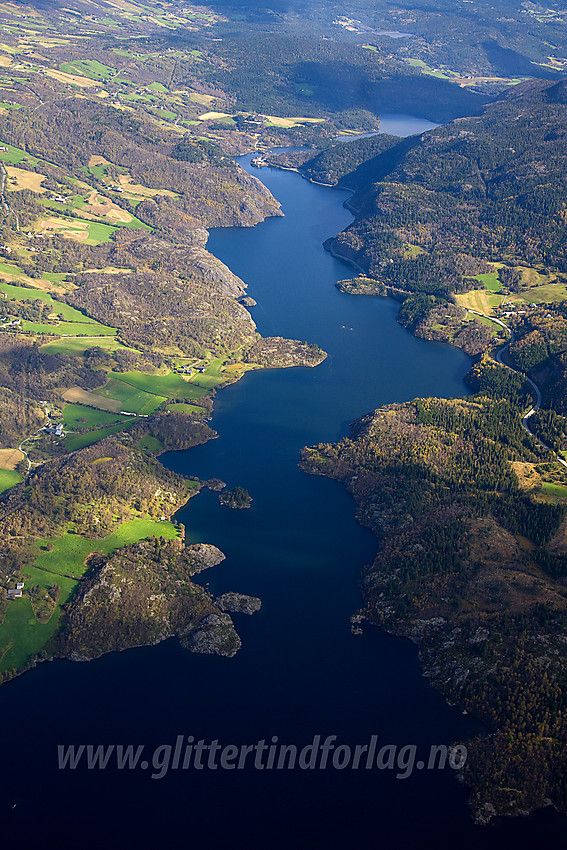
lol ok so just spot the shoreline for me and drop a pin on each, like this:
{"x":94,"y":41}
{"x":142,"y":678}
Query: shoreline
{"x":431,"y":659}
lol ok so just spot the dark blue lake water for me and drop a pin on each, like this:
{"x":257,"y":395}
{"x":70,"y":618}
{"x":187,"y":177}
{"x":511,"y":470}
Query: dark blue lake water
{"x":300,"y":671}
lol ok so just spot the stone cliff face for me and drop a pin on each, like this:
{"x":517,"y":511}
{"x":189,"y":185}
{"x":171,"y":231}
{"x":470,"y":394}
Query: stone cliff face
{"x":186,"y":254}
{"x":215,"y":271}
{"x":257,"y":202}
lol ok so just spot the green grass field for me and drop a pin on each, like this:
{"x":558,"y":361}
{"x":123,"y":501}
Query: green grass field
{"x":86,"y":327}
{"x":541,"y":287}
{"x":152,"y":444}
{"x":489,"y":323}
{"x":81,"y":202}
{"x":130,"y":398}
{"x":413,"y":250}
{"x":79,"y":345}
{"x":74,"y":413}
{"x":14,"y":155}
{"x":534,"y":277}
{"x":22,"y":293}
{"x":490,"y":281}
{"x":425,"y":69}
{"x":144,"y":98}
{"x":212,"y":377}
{"x":559,"y":491}
{"x":69,"y":328}
{"x":73,"y":442}
{"x":205,"y":381}
{"x":97,"y":170}
{"x":8,"y":478}
{"x":10,"y":269}
{"x":134,"y":224}
{"x":70,"y":550}
{"x":541,"y":294}
{"x":73,"y":202}
{"x":21,"y":634}
{"x":171,"y":116}
{"x":97,"y":232}
{"x":89,"y":67}
{"x":40,"y":328}
{"x":186,"y":408}
{"x":171,"y":385}
{"x":54,"y":277}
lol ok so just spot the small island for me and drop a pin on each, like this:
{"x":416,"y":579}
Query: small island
{"x":238,"y":497}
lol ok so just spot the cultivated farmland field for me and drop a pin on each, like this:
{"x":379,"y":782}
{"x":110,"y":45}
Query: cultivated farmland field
{"x":78,"y":345}
{"x":20,"y":179}
{"x":129,"y":398}
{"x":22,"y":633}
{"x":88,"y":68}
{"x":69,"y":328}
{"x":89,"y":232}
{"x":9,"y":478}
{"x":73,"y":442}
{"x":76,"y":395}
{"x":170,"y":385}
{"x":541,"y":294}
{"x":71,"y":79}
{"x":490,"y":281}
{"x":58,"y":308}
{"x":78,"y":415}
{"x":10,"y":458}
{"x":479,"y":299}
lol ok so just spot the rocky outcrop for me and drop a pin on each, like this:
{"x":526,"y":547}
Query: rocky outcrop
{"x":238,"y":603}
{"x":216,"y":635}
{"x":256,"y":204}
{"x":215,"y":271}
{"x":203,"y":556}
{"x":140,"y":595}
{"x":214,"y":484}
{"x":278,"y":353}
{"x":361,"y":286}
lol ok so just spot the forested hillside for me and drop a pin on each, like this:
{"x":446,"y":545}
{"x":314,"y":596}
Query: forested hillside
{"x":211,"y":191}
{"x":472,"y":566}
{"x":491,"y":188}
{"x":284,"y":73}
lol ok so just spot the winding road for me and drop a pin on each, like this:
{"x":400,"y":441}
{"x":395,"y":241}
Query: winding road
{"x":47,"y":408}
{"x":534,"y":386}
